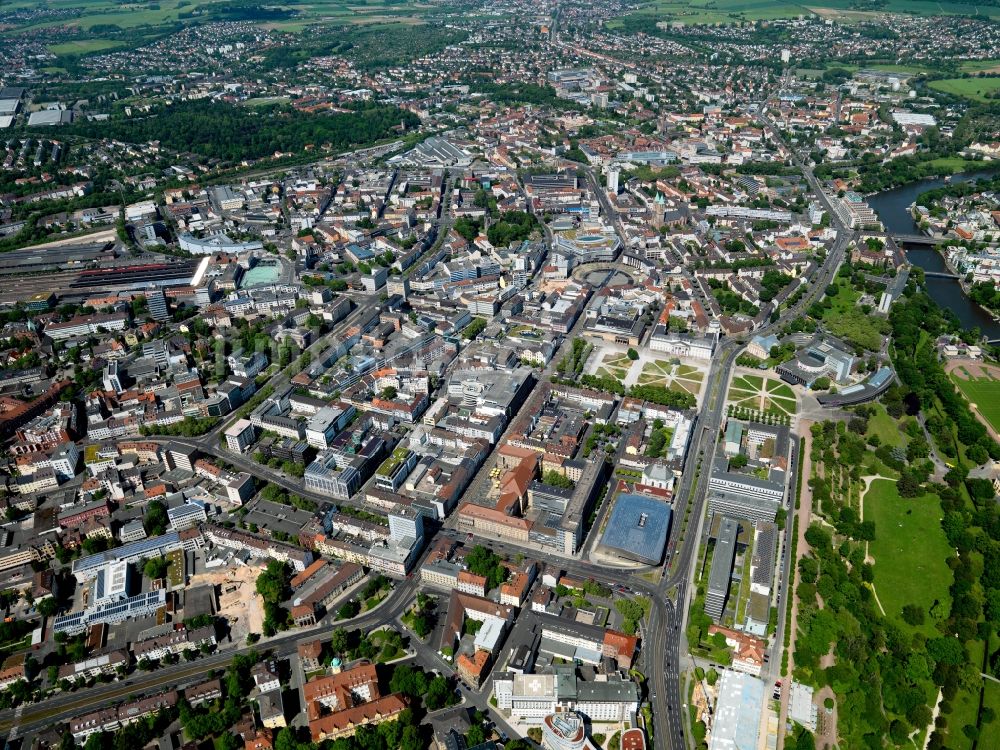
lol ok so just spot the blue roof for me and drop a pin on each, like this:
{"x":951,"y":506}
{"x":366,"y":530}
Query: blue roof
{"x":880,"y":377}
{"x":141,"y":548}
{"x":638,"y":527}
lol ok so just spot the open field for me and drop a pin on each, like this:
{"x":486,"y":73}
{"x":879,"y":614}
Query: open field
{"x":84,"y":46}
{"x":977,"y":89}
{"x":909,"y":550}
{"x":690,"y":12}
{"x":981,"y":385}
{"x":106,"y":13}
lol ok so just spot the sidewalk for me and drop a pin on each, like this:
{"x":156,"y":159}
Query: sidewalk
{"x":803,"y":515}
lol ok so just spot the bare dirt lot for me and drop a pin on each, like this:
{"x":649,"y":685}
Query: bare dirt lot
{"x":239,"y":602}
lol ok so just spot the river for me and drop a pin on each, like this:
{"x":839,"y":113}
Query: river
{"x":892,"y":208}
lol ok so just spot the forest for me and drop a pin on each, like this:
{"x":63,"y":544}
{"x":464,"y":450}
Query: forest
{"x":215,"y":129}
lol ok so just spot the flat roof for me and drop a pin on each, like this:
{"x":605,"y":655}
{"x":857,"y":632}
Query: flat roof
{"x":638,"y":528}
{"x":722,"y":559}
{"x":737,"y":712}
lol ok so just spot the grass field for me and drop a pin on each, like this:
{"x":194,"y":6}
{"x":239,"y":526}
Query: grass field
{"x":974,"y":66}
{"x":984,"y":392}
{"x":846,"y":320}
{"x":763,"y":394}
{"x":691,"y":12}
{"x":976,"y":89}
{"x":143,"y":14}
{"x":615,"y":366}
{"x":965,"y":707}
{"x":910,"y":550}
{"x":885,"y":427}
{"x":989,"y":739}
{"x":675,"y":377}
{"x":84,"y":46}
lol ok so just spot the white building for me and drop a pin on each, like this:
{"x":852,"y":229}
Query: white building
{"x":532,"y":697}
{"x":240,"y":435}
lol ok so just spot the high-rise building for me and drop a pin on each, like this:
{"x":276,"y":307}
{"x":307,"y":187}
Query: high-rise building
{"x":722,"y":569}
{"x":156,"y":301}
{"x":614,"y":172}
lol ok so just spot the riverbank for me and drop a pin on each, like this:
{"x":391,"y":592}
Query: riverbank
{"x":893,"y":209}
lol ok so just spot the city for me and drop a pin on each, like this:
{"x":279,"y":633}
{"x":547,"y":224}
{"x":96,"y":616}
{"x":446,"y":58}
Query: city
{"x":585,"y":376}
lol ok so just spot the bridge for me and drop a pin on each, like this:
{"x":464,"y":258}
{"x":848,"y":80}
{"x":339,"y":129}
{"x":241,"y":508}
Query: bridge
{"x":942,"y":274}
{"x":914,"y":239}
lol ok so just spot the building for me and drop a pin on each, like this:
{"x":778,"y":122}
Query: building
{"x":110,"y":719}
{"x":638,"y":528}
{"x":258,"y":546}
{"x":801,"y":708}
{"x":271,"y":709}
{"x":737,"y":712}
{"x":745,"y":496}
{"x":822,"y":357}
{"x":240,"y":435}
{"x":722,"y":569}
{"x":337,"y":705}
{"x":530,"y":697}
{"x":565,"y":731}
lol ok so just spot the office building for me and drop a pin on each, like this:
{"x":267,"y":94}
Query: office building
{"x":722,"y":569}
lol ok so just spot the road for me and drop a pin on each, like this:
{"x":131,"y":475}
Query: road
{"x":693,"y":488}
{"x":663,"y":638}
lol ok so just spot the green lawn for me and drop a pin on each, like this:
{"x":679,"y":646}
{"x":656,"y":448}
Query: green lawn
{"x":989,"y":738}
{"x":974,"y":66}
{"x":780,"y":390}
{"x":985,"y":394}
{"x":885,"y":427}
{"x":84,"y":46}
{"x":690,"y":12}
{"x":976,"y":89}
{"x":746,"y":390}
{"x":965,"y":707}
{"x":910,"y":550}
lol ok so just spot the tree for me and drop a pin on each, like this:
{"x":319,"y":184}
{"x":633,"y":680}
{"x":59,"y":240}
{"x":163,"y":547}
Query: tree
{"x":339,"y":641}
{"x":48,"y":606}
{"x":738,"y":461}
{"x":273,"y":584}
{"x":389,"y":393}
{"x":155,"y":519}
{"x":409,"y":680}
{"x":483,"y":562}
{"x":475,"y":736}
{"x":474,"y":329}
{"x":555,"y":479}
{"x":913,"y":614}
{"x":633,"y":354}
{"x":439,"y":693}
{"x":156,"y":568}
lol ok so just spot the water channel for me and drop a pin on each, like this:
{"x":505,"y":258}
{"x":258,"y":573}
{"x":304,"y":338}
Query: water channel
{"x":892,"y":207}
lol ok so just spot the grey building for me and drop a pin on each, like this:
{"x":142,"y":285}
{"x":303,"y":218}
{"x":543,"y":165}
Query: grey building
{"x":722,"y":569}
